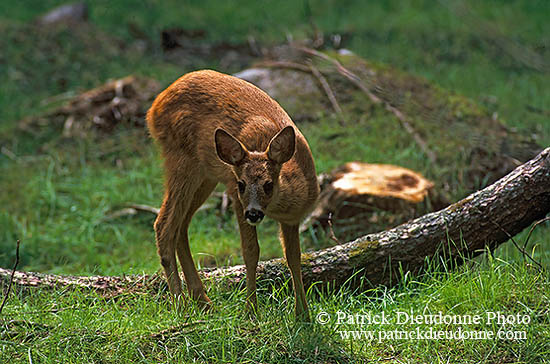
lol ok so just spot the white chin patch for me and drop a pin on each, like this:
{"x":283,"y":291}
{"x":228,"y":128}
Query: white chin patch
{"x":253,"y":223}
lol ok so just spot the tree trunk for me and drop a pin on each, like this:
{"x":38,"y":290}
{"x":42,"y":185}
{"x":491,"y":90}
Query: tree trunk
{"x":486,"y":218}
{"x":362,"y":198}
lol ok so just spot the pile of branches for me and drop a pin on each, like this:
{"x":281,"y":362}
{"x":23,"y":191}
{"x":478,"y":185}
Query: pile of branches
{"x":123,"y":101}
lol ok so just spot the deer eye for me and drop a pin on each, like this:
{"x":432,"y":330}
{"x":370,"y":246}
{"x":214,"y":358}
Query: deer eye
{"x":268,"y":187}
{"x":241,"y":186}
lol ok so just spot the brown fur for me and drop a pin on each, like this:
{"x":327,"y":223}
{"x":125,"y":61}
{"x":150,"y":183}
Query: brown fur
{"x":184,"y":119}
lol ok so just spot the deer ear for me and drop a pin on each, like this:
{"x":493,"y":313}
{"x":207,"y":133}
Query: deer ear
{"x":229,"y":149}
{"x":281,"y":147}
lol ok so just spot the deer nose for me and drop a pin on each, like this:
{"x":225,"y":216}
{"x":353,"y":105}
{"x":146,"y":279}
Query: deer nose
{"x":253,"y":216}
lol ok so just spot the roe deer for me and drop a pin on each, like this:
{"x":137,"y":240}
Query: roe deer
{"x":213,"y":128}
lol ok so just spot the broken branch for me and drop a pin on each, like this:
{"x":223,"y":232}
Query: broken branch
{"x":326,"y":87}
{"x":11,"y":277}
{"x":356,"y":80}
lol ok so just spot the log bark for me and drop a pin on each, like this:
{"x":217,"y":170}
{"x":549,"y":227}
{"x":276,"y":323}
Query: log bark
{"x":484,"y":219}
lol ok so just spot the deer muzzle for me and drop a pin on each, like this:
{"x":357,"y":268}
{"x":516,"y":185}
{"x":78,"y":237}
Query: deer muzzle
{"x":253,"y":216}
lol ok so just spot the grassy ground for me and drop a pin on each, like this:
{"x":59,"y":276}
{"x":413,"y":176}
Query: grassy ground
{"x":73,"y":326}
{"x":55,"y":193}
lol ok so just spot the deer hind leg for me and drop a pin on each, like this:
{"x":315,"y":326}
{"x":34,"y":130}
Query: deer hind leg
{"x":180,"y":189}
{"x":251,"y":253}
{"x":291,"y":244}
{"x":194,"y":283}
{"x":166,"y":235}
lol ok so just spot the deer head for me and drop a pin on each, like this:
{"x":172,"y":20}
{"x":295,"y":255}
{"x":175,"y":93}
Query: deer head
{"x":256,"y":173}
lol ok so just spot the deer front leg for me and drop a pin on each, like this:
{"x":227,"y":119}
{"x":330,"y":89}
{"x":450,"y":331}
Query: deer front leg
{"x":251,"y":253}
{"x":291,"y":244}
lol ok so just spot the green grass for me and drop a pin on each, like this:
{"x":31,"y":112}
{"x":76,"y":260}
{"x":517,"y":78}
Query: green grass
{"x":56,"y":193}
{"x":80,"y":326}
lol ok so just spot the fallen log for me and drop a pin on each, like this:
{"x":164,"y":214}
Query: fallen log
{"x":484,"y":219}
